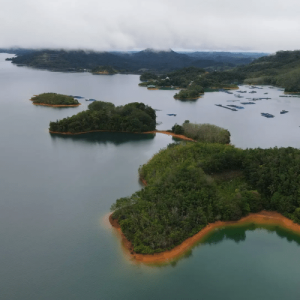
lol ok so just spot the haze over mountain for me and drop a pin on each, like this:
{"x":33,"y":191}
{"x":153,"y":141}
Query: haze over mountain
{"x":124,"y":62}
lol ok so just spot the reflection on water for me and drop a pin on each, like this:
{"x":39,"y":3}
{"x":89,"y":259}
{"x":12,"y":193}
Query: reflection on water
{"x":237,"y":233}
{"x":116,"y":138}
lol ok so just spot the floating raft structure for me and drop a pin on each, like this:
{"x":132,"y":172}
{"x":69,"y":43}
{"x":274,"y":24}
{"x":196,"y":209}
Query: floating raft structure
{"x":242,"y":92}
{"x":290,"y":96}
{"x":77,"y":97}
{"x":220,"y":105}
{"x":247,"y":103}
{"x":236,"y":106}
{"x":284,"y":112}
{"x":267,"y":115}
{"x":238,"y":96}
{"x":174,"y":115}
{"x":90,"y":100}
{"x":252,"y":92}
{"x":255,"y":87}
{"x":232,"y":100}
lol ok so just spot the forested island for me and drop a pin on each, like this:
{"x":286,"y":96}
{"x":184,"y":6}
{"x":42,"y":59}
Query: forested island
{"x":105,"y":116}
{"x":55,"y":100}
{"x":190,"y":185}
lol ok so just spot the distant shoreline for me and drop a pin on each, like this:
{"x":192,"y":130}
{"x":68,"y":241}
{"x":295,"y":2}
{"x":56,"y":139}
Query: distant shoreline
{"x":261,"y":218}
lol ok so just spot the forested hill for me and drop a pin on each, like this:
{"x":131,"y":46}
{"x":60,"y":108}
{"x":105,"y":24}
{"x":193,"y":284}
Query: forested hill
{"x":131,"y":62}
{"x":281,"y":69}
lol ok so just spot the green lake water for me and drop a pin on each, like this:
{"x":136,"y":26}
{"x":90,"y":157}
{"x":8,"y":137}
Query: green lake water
{"x":56,"y":190}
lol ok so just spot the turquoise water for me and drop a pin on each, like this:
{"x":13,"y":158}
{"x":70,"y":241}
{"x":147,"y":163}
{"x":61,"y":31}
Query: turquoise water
{"x":56,"y":190}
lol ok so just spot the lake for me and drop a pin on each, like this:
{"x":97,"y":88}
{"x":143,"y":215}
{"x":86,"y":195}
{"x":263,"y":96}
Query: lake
{"x":56,"y":192}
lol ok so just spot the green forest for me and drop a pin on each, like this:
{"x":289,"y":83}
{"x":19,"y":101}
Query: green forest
{"x":192,"y":184}
{"x":192,"y":81}
{"x":54,"y":99}
{"x":281,"y":69}
{"x":132,"y":117}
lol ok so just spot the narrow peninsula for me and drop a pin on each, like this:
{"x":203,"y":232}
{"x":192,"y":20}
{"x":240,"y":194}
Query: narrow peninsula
{"x":54,"y":100}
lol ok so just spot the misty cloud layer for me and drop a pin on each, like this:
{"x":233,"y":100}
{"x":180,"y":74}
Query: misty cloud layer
{"x":263,"y":25}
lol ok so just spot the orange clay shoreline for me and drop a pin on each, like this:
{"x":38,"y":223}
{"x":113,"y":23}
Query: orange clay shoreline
{"x":55,"y":105}
{"x":179,"y":136}
{"x":263,"y":217}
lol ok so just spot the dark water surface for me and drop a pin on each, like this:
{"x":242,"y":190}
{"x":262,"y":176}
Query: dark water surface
{"x":56,"y":190}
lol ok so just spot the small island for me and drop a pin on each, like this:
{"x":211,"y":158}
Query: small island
{"x":54,"y":100}
{"x":194,"y":92}
{"x":105,"y":116}
{"x":205,"y":133}
{"x":191,"y":188}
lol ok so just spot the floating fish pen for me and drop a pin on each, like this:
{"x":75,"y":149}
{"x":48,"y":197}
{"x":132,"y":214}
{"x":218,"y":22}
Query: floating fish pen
{"x":92,"y":100}
{"x":247,"y":103}
{"x":284,"y":112}
{"x":242,"y":92}
{"x":252,"y":92}
{"x":235,"y":106}
{"x":290,"y":96}
{"x":267,"y":115}
{"x":78,"y":97}
{"x":232,"y":100}
{"x":174,"y":115}
{"x":220,"y":105}
{"x":238,"y":96}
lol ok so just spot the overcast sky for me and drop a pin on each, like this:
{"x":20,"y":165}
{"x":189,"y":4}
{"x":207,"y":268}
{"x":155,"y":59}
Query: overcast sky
{"x":256,"y":25}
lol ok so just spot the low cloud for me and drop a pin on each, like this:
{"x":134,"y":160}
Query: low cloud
{"x":125,"y":25}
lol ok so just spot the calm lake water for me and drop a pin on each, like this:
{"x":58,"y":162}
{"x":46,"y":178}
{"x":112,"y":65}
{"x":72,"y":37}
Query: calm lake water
{"x":56,"y":191}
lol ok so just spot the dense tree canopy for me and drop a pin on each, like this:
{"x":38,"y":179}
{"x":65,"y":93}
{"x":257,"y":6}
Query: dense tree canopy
{"x":132,"y":117}
{"x":191,"y":185}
